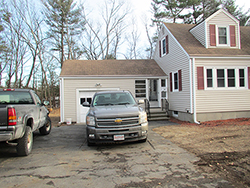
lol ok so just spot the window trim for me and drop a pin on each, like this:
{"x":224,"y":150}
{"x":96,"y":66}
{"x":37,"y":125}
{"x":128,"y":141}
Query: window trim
{"x":227,"y":36}
{"x":177,"y":81}
{"x":162,"y":46}
{"x":226,"y":87}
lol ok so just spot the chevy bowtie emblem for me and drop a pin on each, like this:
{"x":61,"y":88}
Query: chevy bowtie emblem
{"x":118,"y":120}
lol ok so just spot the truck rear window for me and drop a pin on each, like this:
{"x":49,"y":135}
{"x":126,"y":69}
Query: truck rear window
{"x":15,"y":97}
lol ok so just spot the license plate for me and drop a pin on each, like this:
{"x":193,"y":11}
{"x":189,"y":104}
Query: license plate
{"x":118,"y":137}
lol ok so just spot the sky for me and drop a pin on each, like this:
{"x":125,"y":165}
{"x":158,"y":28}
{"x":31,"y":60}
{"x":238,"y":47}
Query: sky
{"x":142,"y":7}
{"x":140,"y":10}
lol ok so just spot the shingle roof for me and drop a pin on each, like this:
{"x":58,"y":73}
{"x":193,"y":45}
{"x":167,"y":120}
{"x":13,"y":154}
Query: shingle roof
{"x":195,"y":48}
{"x":105,"y":68}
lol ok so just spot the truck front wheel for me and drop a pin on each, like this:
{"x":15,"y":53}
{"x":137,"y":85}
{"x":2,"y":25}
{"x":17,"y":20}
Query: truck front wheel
{"x":24,"y":144}
{"x":45,"y":130}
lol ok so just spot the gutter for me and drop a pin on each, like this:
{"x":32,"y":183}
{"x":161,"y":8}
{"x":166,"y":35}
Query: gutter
{"x":192,"y":63}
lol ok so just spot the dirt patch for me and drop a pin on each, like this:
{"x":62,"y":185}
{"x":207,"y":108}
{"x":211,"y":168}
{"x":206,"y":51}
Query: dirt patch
{"x":223,"y":146}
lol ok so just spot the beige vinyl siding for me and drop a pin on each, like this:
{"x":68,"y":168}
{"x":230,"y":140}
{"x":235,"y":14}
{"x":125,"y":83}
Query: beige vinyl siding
{"x":71,"y":86}
{"x":176,"y":59}
{"x":199,"y":33}
{"x":222,"y":19}
{"x":225,"y":99}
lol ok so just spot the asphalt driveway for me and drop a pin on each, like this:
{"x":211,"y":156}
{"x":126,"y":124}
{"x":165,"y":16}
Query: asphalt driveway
{"x":62,"y":159}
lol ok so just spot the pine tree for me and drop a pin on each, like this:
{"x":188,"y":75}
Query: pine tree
{"x":168,"y":10}
{"x":65,"y":21}
{"x":199,"y":10}
{"x":237,"y":12}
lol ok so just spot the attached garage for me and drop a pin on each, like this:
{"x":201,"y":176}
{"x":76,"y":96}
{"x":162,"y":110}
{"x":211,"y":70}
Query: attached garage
{"x":86,"y":96}
{"x":80,"y":79}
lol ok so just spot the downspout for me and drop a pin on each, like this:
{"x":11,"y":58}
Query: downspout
{"x":191,"y":85}
{"x":61,"y":100}
{"x":194,"y":92}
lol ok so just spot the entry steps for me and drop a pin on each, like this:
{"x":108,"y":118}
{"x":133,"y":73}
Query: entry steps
{"x":156,"y":114}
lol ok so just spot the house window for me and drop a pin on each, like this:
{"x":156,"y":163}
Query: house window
{"x":224,"y":78}
{"x":140,"y":88}
{"x":82,"y":100}
{"x":231,"y":77}
{"x":209,"y":77}
{"x":175,"y":113}
{"x":175,"y":81}
{"x":222,"y":35}
{"x":163,"y":82}
{"x":241,"y":77}
{"x":220,"y":78}
{"x":164,"y":46}
{"x":163,"y":94}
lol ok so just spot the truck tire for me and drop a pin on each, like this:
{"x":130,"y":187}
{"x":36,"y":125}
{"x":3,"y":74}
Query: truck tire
{"x":24,"y":144}
{"x":45,"y":130}
{"x":90,"y":143}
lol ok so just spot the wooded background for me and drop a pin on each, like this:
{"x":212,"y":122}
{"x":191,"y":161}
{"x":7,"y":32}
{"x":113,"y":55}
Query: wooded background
{"x":37,"y":36}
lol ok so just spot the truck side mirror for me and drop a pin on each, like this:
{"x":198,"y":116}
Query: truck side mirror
{"x":46,"y":103}
{"x":86,"y":104}
{"x":141,"y":101}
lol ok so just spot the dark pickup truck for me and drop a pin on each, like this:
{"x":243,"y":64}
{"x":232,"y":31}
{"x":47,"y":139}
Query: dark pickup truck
{"x":21,"y":113}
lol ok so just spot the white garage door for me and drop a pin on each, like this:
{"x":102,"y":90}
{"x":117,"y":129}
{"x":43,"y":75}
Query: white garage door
{"x":84,"y":97}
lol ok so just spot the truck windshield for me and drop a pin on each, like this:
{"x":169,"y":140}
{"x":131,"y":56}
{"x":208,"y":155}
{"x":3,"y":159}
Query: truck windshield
{"x":15,"y":97}
{"x":105,"y":99}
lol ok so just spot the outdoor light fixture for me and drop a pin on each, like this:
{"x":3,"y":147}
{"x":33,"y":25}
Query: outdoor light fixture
{"x":98,"y":85}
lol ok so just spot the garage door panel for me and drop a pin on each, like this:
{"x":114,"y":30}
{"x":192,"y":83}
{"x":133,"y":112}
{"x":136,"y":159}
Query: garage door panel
{"x":84,"y":97}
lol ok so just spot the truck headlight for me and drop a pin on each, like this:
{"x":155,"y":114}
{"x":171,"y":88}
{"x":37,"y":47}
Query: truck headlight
{"x":143,"y":117}
{"x":90,"y":120}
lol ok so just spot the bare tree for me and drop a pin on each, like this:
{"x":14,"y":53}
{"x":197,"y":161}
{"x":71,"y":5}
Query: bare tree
{"x":132,"y":40}
{"x":102,"y":41}
{"x":32,"y":35}
{"x":16,"y":56}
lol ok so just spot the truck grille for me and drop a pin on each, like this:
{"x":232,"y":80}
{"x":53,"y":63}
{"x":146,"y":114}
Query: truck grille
{"x":118,"y":122}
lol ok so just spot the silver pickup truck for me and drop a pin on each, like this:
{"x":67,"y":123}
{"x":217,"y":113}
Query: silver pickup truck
{"x":21,"y":113}
{"x":115,"y":116}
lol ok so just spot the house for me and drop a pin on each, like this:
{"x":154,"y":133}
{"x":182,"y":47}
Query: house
{"x":80,"y":79}
{"x":208,"y":68}
{"x":202,"y":70}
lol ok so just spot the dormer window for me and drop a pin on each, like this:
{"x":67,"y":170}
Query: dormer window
{"x":222,"y":36}
{"x":222,"y":31}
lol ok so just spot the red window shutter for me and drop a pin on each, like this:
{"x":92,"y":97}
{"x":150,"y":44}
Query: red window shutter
{"x":200,"y":78}
{"x":180,"y":80}
{"x":171,"y":83}
{"x":212,"y":35}
{"x":248,"y":77}
{"x":167,"y":44}
{"x":160,"y":48}
{"x":232,"y":36}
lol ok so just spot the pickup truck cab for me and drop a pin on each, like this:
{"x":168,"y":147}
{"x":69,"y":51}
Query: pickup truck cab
{"x":115,"y":116}
{"x":21,"y":113}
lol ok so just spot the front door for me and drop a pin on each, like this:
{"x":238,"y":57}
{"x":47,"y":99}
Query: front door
{"x":153,"y":93}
